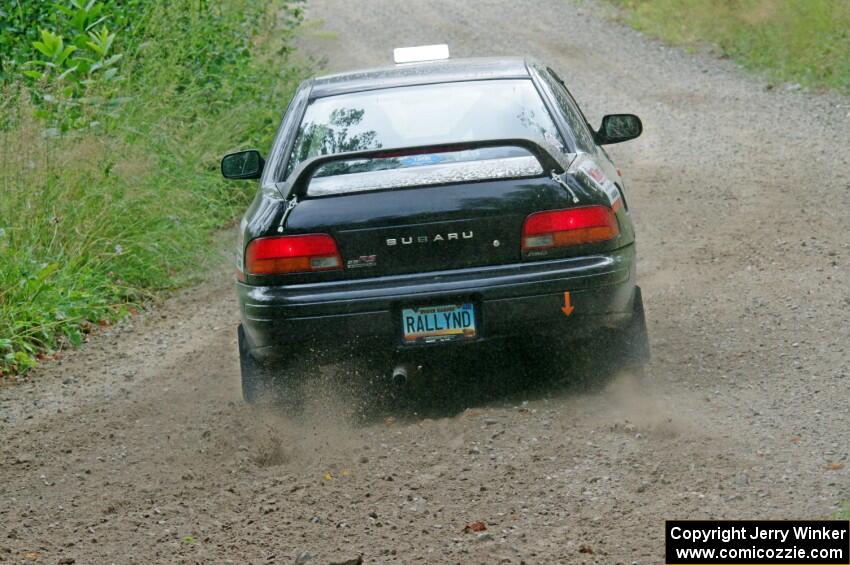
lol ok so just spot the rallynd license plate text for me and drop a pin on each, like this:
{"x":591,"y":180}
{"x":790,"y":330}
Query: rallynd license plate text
{"x":435,"y":323}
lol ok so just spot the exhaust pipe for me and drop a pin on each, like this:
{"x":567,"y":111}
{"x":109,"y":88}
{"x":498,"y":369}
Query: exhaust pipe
{"x":400,"y":375}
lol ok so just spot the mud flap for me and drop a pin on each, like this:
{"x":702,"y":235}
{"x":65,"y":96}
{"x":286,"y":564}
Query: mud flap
{"x":634,"y":338}
{"x":262,"y":382}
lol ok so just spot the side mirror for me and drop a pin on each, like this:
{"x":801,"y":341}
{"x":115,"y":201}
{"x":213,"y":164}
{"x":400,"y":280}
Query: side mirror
{"x":616,"y":128}
{"x":242,"y":165}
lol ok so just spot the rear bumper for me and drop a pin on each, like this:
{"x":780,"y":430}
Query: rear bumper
{"x":518,"y":299}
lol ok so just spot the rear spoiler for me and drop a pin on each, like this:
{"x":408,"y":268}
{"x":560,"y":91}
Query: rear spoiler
{"x":298,"y":180}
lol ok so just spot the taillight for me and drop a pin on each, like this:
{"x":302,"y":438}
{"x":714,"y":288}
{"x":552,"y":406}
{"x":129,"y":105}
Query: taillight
{"x":574,"y":226}
{"x":292,"y":254}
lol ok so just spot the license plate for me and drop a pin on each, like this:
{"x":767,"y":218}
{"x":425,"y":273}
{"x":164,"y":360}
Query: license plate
{"x":427,"y":324}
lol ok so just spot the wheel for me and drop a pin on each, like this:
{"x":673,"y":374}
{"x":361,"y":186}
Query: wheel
{"x":267,"y":382}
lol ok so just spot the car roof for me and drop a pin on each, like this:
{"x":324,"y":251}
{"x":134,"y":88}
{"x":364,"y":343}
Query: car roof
{"x":430,"y":72}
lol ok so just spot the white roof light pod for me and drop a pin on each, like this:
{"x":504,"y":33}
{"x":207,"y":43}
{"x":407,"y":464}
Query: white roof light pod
{"x":420,"y":53}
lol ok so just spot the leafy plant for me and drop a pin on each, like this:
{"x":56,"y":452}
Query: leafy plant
{"x":75,"y":73}
{"x":82,"y":17}
{"x":57,"y":55}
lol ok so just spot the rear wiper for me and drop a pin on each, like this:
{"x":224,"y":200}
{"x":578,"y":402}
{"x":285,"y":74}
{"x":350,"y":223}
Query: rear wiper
{"x":290,"y":204}
{"x":560,"y":180}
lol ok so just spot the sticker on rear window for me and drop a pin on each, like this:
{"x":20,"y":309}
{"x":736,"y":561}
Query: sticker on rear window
{"x":428,"y":159}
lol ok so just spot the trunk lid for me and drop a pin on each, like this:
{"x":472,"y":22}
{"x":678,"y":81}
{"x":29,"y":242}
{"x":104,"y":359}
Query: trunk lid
{"x":427,"y":228}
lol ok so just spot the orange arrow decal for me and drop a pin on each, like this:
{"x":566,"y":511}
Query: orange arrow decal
{"x":567,"y":308}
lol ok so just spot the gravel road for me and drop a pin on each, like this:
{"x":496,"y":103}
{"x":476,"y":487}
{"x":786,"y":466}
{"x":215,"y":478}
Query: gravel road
{"x":137,"y":448}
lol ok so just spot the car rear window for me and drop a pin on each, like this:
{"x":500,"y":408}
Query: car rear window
{"x":423,"y":115}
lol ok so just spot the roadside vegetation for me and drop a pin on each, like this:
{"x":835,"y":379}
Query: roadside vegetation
{"x":806,"y":42}
{"x":113,"y":116}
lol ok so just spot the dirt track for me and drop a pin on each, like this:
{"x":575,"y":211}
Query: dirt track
{"x":137,"y":448}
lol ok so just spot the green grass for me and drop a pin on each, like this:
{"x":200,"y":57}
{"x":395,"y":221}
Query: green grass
{"x":96,"y":221}
{"x":803,"y":41}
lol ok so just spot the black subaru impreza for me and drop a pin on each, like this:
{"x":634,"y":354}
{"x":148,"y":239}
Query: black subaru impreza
{"x":429,"y":205}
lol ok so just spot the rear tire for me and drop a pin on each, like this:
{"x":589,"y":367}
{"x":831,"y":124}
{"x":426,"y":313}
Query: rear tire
{"x":266,"y":382}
